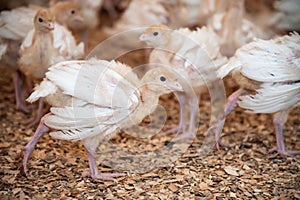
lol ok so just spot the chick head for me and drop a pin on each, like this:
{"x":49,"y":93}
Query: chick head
{"x":156,"y":35}
{"x":44,"y":21}
{"x":67,"y":13}
{"x":162,"y":80}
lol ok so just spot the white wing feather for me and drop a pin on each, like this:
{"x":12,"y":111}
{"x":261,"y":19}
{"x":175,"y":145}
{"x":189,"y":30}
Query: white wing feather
{"x":64,"y":41}
{"x":77,"y":123}
{"x":15,"y":24}
{"x":271,"y":98}
{"x":80,"y":134}
{"x":267,"y":60}
{"x":94,"y":82}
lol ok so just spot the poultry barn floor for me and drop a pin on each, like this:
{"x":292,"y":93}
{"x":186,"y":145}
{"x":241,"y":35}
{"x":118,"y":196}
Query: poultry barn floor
{"x":244,"y":170}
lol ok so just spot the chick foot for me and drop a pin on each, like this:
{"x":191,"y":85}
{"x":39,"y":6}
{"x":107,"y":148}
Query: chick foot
{"x":103,"y":176}
{"x":278,"y":121}
{"x":187,"y":135}
{"x":284,"y":152}
{"x":173,"y":129}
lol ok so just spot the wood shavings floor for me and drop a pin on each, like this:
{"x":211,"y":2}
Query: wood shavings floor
{"x":245,"y":170}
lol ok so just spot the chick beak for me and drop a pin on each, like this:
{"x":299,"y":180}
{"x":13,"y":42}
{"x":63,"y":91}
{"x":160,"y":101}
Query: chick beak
{"x":143,"y":37}
{"x":78,"y":18}
{"x":50,"y":26}
{"x":175,"y":86}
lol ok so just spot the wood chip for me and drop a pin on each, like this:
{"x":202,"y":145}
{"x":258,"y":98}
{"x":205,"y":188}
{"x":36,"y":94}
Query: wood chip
{"x":203,"y":186}
{"x":231,"y":170}
{"x":173,"y":187}
{"x":232,"y":195}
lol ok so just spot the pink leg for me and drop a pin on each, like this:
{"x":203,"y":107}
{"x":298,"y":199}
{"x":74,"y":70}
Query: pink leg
{"x":28,"y":85}
{"x":85,"y":38}
{"x":181,"y":125}
{"x":191,"y":132}
{"x":230,"y":106}
{"x":20,"y":100}
{"x":42,"y":128}
{"x":94,"y":172}
{"x":279,"y":120}
{"x":35,"y":119}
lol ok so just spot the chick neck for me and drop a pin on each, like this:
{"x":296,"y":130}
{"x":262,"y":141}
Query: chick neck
{"x":232,"y":22}
{"x":175,"y":42}
{"x":43,"y":43}
{"x":148,"y":102}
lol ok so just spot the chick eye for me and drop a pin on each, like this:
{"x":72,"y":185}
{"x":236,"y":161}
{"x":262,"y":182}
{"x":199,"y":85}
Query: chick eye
{"x":155,"y":33}
{"x":41,"y":20}
{"x":162,"y":79}
{"x":73,"y":12}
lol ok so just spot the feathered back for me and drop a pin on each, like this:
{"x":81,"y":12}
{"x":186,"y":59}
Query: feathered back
{"x":78,"y":78}
{"x":275,"y":60}
{"x":201,"y":48}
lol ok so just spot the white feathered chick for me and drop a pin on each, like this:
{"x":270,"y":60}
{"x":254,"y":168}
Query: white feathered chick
{"x":47,"y":44}
{"x":268,"y":72}
{"x":100,"y":97}
{"x":15,"y":25}
{"x":191,"y":13}
{"x":233,"y":28}
{"x":193,"y":54}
